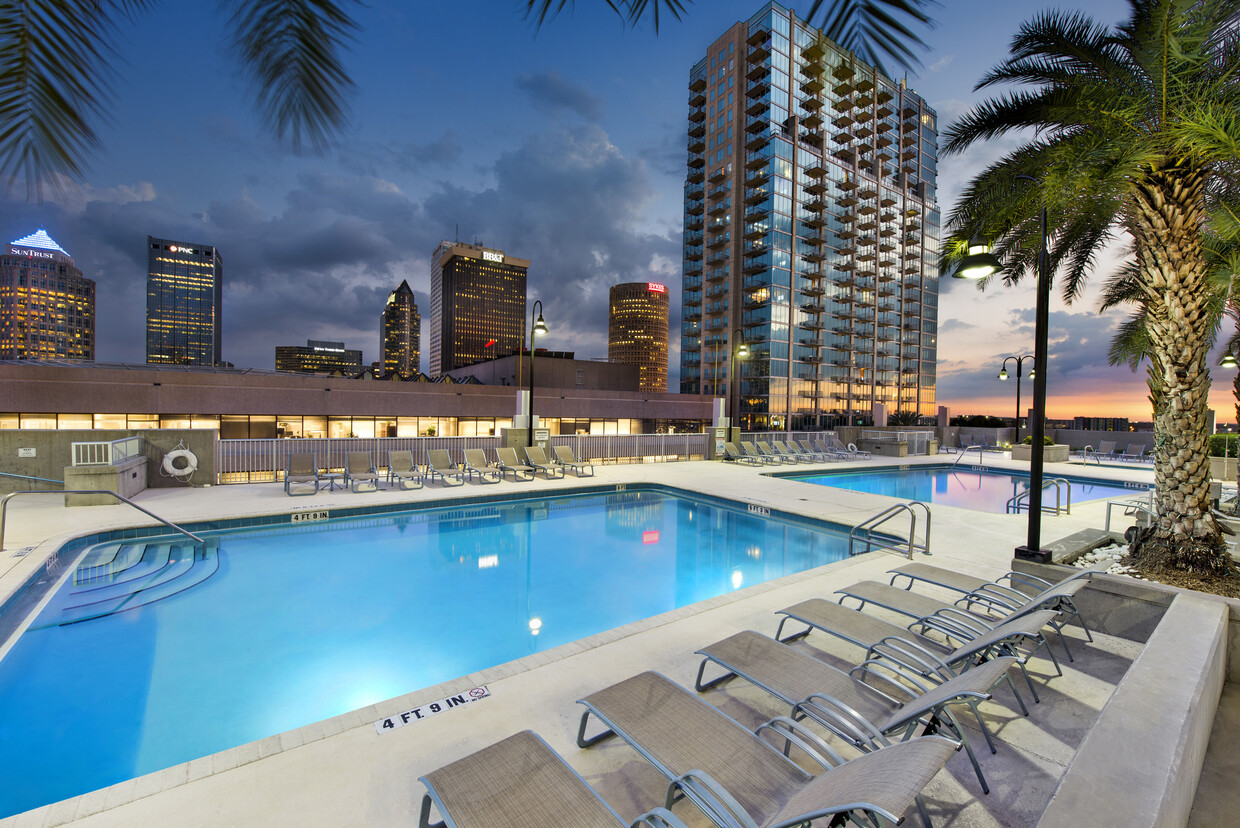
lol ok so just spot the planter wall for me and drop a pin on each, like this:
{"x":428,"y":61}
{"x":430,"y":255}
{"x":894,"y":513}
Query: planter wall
{"x":1057,"y":453}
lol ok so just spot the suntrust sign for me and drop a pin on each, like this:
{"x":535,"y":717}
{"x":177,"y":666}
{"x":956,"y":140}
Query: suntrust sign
{"x":34,"y":254}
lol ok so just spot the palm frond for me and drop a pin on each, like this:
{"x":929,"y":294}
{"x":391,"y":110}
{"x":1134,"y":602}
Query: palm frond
{"x":632,"y":11}
{"x":292,"y":51}
{"x":876,"y":28}
{"x":56,"y":80}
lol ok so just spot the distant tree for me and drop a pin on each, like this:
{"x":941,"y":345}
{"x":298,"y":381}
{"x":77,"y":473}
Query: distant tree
{"x":1130,"y":130}
{"x":978,"y":421}
{"x":904,"y":418}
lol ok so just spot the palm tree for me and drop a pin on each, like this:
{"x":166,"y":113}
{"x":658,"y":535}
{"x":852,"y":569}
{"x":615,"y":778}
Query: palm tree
{"x":1134,"y":132}
{"x":55,"y":81}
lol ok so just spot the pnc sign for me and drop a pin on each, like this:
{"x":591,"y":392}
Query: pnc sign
{"x":490,"y":256}
{"x":655,"y":287}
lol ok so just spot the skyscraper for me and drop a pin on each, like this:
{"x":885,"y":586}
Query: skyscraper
{"x":318,"y":357}
{"x":47,"y":308}
{"x":184,"y":287}
{"x":637,"y":331}
{"x":810,"y":231}
{"x":477,"y":305}
{"x":400,"y":329}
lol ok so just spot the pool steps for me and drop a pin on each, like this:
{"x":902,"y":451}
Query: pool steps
{"x":118,"y":576}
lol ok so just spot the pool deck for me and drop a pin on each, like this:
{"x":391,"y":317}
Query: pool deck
{"x":342,"y":772}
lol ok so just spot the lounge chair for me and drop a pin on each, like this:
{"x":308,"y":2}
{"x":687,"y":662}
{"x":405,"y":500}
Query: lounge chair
{"x":439,"y":465}
{"x":507,"y":463}
{"x":731,"y":452}
{"x":738,"y":778}
{"x":793,"y":456}
{"x":301,"y":469}
{"x":815,"y":454}
{"x":850,"y":451}
{"x":962,"y":583}
{"x":1020,"y":638}
{"x":564,"y":456}
{"x":1135,"y":452}
{"x":833,"y":698}
{"x":359,"y":470}
{"x":752,"y":451}
{"x":1003,"y":603}
{"x":824,"y":445}
{"x":1105,"y":450}
{"x":517,"y":782}
{"x":403,"y":471}
{"x":537,"y":458}
{"x":765,"y":448}
{"x":476,"y":465}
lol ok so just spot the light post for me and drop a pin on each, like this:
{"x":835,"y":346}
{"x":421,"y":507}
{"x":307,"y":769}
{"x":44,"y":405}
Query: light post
{"x":979,"y":264}
{"x":739,"y":351}
{"x":1003,"y":375}
{"x":539,"y":327}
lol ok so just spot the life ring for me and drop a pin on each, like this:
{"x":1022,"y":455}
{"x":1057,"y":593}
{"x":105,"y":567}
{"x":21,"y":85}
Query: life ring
{"x":171,"y":467}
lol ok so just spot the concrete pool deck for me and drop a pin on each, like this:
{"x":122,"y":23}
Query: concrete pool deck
{"x":341,"y":772}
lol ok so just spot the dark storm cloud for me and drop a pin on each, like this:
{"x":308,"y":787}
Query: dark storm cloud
{"x":549,"y":91}
{"x":322,"y":266}
{"x":377,"y":160}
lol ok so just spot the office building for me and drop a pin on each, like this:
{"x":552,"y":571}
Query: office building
{"x":184,"y":287}
{"x":637,"y":331}
{"x":400,"y":334}
{"x":47,"y":308}
{"x":477,"y":305}
{"x":318,"y":357}
{"x":810,"y":231}
{"x":1100,"y":424}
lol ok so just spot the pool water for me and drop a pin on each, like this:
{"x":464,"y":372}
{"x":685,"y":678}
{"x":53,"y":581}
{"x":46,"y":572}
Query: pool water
{"x":971,"y":487}
{"x":152,"y":654}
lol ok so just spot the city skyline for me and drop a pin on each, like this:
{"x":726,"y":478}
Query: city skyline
{"x":564,"y":144}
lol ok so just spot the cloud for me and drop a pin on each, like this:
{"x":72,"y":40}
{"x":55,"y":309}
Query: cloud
{"x":949,"y":325}
{"x":941,"y":64}
{"x":320,"y":265}
{"x":550,"y":92}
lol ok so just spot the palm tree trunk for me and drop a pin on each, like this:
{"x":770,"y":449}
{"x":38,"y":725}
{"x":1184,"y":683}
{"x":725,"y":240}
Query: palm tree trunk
{"x":1167,"y":212}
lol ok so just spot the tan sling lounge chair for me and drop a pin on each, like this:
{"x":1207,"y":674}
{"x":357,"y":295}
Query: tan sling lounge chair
{"x":564,"y":456}
{"x":725,"y":769}
{"x":860,"y":712}
{"x":476,"y":465}
{"x":301,"y":470}
{"x":439,"y":465}
{"x":731,"y":452}
{"x":507,"y":463}
{"x":360,"y":470}
{"x":403,"y":471}
{"x":519,"y":782}
{"x":536,"y":457}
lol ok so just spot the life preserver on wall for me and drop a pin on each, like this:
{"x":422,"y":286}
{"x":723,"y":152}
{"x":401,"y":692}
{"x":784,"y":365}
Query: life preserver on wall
{"x":180,"y":463}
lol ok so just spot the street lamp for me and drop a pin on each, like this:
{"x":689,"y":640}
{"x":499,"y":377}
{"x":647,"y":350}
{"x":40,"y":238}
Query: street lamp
{"x":1003,"y":375}
{"x":739,"y":351}
{"x":539,"y":327}
{"x":979,"y":264}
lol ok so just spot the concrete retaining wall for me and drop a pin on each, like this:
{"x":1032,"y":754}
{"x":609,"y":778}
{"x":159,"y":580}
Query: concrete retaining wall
{"x":1164,"y":708}
{"x":52,"y":452}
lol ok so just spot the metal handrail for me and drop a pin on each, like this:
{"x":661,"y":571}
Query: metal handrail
{"x":28,"y":477}
{"x":4,"y":505}
{"x":887,"y":514}
{"x":980,"y":455}
{"x":1013,"y":503}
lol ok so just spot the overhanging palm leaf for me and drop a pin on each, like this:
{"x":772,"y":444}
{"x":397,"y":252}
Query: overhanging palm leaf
{"x":53,"y":83}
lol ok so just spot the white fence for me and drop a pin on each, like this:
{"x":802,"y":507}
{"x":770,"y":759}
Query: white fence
{"x":106,"y":453}
{"x":261,"y":461}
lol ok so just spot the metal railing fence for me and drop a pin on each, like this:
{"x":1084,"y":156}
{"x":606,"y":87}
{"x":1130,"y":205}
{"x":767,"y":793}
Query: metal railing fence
{"x":264,"y":461}
{"x":104,"y":453}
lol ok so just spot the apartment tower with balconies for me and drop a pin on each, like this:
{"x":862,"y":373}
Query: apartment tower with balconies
{"x":810,"y":232}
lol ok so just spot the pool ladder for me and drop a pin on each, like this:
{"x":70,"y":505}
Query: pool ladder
{"x":4,"y":505}
{"x":892,"y":542}
{"x":1020,"y":502}
{"x":980,"y":456}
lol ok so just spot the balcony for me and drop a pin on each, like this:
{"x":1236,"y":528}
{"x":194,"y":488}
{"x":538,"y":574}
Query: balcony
{"x":759,"y":52}
{"x":714,"y":278}
{"x":719,"y":208}
{"x":755,"y":231}
{"x":756,"y":195}
{"x":758,"y":108}
{"x":812,"y":86}
{"x":815,"y":220}
{"x":693,"y":268}
{"x":758,"y":141}
{"x":811,"y":104}
{"x":693,"y":191}
{"x":842,"y":105}
{"x":754,"y":266}
{"x":697,"y":115}
{"x":693,"y":222}
{"x":761,"y":69}
{"x":757,"y":88}
{"x":697,"y":160}
{"x":813,"y":254}
{"x":717,"y":241}
{"x":695,"y":177}
{"x":813,"y":120}
{"x":697,"y":145}
{"x":757,"y":177}
{"x":815,"y":204}
{"x":717,"y":258}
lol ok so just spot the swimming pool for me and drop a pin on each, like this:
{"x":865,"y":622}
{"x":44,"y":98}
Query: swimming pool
{"x":972,"y":487}
{"x":276,"y":627}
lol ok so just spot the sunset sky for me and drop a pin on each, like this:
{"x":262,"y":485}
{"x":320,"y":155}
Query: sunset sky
{"x":564,"y":146}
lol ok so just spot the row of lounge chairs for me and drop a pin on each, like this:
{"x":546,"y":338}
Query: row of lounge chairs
{"x":893,"y":708}
{"x":777,"y":452}
{"x":302,"y":471}
{"x":1135,"y":452}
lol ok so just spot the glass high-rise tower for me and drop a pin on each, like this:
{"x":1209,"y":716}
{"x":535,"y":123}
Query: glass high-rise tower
{"x":400,"y":332}
{"x":184,"y":287}
{"x":477,"y":305}
{"x":47,"y":307}
{"x":810,"y":231}
{"x":637,"y":331}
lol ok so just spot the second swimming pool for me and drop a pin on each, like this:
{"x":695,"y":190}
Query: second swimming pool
{"x":972,"y":487}
{"x":153,"y":653}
